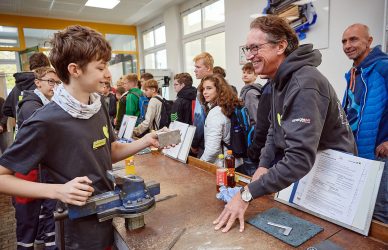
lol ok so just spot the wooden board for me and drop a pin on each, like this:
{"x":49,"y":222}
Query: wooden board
{"x":194,"y":209}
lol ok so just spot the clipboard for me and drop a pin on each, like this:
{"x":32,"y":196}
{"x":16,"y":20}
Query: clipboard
{"x":369,"y":184}
{"x":127,"y":126}
{"x":181,"y":151}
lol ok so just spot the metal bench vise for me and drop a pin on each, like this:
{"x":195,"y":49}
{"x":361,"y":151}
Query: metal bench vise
{"x":131,"y":199}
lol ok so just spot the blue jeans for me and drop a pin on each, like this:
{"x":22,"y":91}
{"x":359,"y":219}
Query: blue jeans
{"x":381,"y":207}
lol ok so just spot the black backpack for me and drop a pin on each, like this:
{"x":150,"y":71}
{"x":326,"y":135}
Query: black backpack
{"x":240,"y":132}
{"x":165,"y":115}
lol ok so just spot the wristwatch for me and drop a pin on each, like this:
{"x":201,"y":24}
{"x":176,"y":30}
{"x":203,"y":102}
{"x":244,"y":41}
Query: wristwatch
{"x":246,"y":195}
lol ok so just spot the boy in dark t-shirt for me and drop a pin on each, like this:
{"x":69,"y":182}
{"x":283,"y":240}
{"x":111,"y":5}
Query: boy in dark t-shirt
{"x":76,"y":121}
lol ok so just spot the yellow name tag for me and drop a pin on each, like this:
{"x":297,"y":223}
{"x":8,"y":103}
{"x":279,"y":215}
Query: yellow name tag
{"x":99,"y":143}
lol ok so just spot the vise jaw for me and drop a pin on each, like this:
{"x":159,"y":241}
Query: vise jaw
{"x":131,"y":198}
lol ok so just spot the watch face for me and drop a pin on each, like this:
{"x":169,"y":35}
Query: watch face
{"x":246,"y":196}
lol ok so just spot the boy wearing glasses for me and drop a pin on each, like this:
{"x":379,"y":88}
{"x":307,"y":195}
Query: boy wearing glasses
{"x":34,"y":217}
{"x":77,"y":121}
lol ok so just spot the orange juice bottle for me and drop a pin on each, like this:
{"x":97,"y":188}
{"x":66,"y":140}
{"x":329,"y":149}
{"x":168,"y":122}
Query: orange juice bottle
{"x":130,"y":166}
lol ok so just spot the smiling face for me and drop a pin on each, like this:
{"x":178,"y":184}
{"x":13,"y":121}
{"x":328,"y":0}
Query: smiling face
{"x":356,"y":43}
{"x":269,"y":55}
{"x":209,"y":91}
{"x":94,"y":76}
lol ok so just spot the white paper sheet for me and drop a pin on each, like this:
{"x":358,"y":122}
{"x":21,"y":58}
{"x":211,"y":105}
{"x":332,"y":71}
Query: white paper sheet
{"x":332,"y":188}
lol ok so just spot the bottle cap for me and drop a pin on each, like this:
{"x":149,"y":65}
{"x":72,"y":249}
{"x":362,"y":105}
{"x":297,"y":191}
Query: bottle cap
{"x":229,"y":152}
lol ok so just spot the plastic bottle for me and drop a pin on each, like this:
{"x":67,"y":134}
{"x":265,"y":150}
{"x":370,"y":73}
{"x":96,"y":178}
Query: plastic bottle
{"x":220,"y":172}
{"x":130,"y":166}
{"x":230,"y":164}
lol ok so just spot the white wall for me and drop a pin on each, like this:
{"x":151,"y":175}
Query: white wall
{"x":342,"y":13}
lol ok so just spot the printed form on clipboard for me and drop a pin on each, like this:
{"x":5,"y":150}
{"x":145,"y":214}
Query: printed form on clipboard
{"x":335,"y":189}
{"x":181,"y":151}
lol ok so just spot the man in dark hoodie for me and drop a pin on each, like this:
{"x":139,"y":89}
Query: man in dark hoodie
{"x":24,"y":81}
{"x":182,"y":108}
{"x":366,"y":103}
{"x":35,"y":217}
{"x":306,"y":115}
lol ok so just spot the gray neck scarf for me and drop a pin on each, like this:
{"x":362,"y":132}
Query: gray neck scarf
{"x":75,"y":108}
{"x":41,"y":96}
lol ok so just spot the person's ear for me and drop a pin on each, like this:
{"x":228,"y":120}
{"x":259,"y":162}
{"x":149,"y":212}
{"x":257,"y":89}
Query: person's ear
{"x":370,"y":40}
{"x":281,"y":47}
{"x":37,"y":83}
{"x":74,"y":70}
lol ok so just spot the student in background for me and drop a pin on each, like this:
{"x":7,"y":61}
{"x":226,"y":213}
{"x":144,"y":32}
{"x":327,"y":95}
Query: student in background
{"x":145,"y":77}
{"x":120,"y":91}
{"x":87,"y":152}
{"x":251,"y":92}
{"x":219,"y":102}
{"x":134,"y":93}
{"x":24,"y":81}
{"x":186,"y":94}
{"x":129,"y":101}
{"x":35,"y":217}
{"x":110,"y":101}
{"x":219,"y":70}
{"x":153,"y":115}
{"x":203,"y":64}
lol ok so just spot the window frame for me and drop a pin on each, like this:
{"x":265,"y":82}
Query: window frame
{"x":201,"y":34}
{"x":156,"y":48}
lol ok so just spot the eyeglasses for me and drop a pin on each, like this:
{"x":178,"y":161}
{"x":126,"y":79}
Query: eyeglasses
{"x":253,"y":49}
{"x":51,"y":82}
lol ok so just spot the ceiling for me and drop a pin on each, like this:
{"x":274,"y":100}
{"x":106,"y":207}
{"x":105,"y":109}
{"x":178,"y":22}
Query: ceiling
{"x":128,"y":12}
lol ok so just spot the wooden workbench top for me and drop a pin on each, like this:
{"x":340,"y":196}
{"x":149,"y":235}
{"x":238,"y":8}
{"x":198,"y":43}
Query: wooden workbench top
{"x":187,"y":218}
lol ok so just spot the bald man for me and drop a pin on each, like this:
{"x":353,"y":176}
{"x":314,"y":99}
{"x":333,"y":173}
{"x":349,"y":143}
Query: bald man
{"x":366,"y":102}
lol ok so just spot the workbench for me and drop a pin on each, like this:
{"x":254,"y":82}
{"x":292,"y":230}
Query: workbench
{"x":185,"y":221}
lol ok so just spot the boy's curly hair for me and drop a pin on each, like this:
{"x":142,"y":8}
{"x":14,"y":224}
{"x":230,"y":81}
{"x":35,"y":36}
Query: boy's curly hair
{"x":226,"y":98}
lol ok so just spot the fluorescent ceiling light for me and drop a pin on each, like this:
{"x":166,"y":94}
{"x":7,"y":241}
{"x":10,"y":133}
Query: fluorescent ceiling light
{"x":105,"y":4}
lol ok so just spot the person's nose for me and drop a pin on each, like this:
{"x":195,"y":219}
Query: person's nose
{"x":249,"y":56}
{"x":107,"y":73}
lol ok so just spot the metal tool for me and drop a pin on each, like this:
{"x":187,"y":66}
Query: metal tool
{"x":131,"y":199}
{"x":286,"y":230}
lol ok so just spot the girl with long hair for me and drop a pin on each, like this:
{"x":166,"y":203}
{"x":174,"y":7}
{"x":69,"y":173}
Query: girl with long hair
{"x":219,"y":102}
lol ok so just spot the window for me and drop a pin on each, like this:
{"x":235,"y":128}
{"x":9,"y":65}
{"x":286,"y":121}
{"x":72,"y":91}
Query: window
{"x":38,"y":37}
{"x":203,"y":29}
{"x":148,"y":40}
{"x":161,"y":59}
{"x":122,"y":64}
{"x":149,"y":61}
{"x":191,"y":49}
{"x":121,"y":42}
{"x":205,"y":17}
{"x":160,"y":35}
{"x":192,"y":22}
{"x":9,"y":37}
{"x":8,"y":66}
{"x":214,"y":14}
{"x":215,"y":45}
{"x":155,"y":55}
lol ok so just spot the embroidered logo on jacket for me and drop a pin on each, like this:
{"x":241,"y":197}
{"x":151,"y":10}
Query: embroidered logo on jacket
{"x":302,"y":120}
{"x":279,"y":117}
{"x":105,"y":131}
